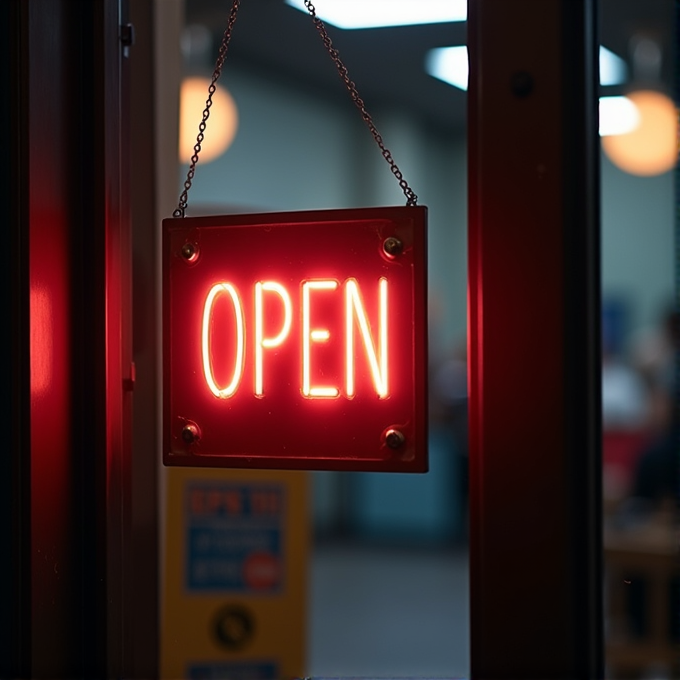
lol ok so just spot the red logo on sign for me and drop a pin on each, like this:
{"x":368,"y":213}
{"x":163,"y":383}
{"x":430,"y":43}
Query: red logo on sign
{"x":262,"y":571}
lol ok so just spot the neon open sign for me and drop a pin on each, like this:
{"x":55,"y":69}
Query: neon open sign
{"x":354,"y":310}
{"x":296,"y":340}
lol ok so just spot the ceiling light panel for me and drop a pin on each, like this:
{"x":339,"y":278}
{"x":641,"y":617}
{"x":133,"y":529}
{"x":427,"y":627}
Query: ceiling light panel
{"x":613,"y":69}
{"x":449,"y":64}
{"x":352,"y":14}
{"x":618,"y":116}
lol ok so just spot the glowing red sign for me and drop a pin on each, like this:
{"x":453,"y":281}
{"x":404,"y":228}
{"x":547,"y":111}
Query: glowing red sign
{"x":296,"y":340}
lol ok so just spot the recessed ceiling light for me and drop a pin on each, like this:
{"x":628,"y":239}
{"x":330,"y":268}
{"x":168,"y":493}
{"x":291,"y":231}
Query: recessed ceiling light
{"x":618,"y":116}
{"x":450,"y":64}
{"x":651,"y":147}
{"x":383,"y":13}
{"x":613,"y":69}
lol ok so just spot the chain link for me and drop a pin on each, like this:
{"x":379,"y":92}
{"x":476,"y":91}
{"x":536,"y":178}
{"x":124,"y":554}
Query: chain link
{"x":411,"y":197}
{"x":221,"y":56}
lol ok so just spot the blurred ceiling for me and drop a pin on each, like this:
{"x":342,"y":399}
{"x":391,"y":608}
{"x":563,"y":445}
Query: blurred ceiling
{"x":387,"y":64}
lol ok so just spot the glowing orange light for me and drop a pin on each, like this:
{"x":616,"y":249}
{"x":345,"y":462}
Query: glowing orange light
{"x":354,"y":308}
{"x":231,"y":388}
{"x":260,"y":341}
{"x":652,"y":147}
{"x":316,"y":335}
{"x":223,"y":120}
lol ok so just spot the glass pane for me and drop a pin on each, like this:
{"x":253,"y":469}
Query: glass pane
{"x":388,"y":560}
{"x":640,"y":342}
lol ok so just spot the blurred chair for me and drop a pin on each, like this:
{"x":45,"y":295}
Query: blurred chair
{"x":642,"y":572}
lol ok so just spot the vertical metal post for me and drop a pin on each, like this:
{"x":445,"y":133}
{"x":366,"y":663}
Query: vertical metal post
{"x":153,"y":37}
{"x":534,"y":347}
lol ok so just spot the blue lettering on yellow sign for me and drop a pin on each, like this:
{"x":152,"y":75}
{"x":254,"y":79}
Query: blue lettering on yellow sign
{"x":234,"y":537}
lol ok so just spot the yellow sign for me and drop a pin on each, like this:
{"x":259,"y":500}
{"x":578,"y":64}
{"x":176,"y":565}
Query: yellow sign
{"x":235,"y":567}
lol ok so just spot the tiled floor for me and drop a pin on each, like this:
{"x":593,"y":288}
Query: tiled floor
{"x":381,"y":612}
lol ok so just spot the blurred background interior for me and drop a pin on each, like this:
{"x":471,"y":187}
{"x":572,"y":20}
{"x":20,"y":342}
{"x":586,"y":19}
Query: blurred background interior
{"x":388,"y":588}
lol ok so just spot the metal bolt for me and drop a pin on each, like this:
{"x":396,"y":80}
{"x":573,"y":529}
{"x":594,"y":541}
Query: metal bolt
{"x":190,"y":433}
{"x":394,"y":439}
{"x":393,"y":246}
{"x":127,"y":38}
{"x":189,"y":252}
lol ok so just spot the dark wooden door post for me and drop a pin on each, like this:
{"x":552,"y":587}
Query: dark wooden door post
{"x":534,"y":346}
{"x":65,"y":478}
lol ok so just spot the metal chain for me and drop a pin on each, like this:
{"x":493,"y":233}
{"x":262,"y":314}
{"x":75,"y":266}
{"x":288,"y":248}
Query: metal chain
{"x":221,"y":56}
{"x":411,"y":197}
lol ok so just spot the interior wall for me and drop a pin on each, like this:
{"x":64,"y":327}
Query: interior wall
{"x":637,"y":244}
{"x":290,"y":152}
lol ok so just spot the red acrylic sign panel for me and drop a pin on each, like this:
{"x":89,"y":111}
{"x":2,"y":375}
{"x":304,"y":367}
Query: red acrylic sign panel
{"x":296,"y":340}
